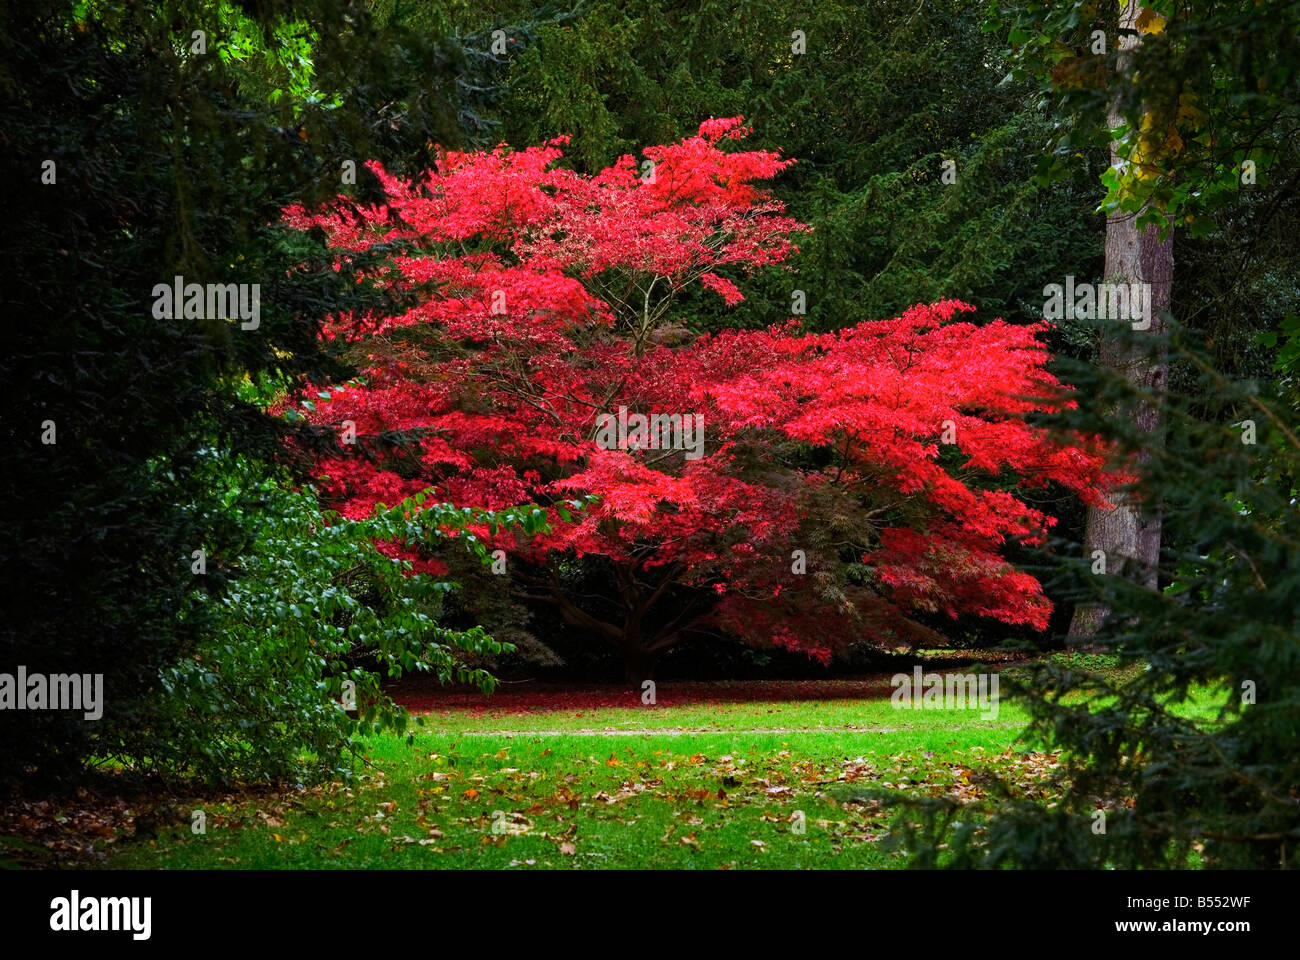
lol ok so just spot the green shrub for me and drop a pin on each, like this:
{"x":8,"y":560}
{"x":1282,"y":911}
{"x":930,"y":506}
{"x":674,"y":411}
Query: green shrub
{"x":309,"y":606}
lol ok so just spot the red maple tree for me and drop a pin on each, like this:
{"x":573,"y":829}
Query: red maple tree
{"x":802,"y":490}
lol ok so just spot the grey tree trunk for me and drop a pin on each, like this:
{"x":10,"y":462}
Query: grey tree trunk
{"x":1128,"y":536}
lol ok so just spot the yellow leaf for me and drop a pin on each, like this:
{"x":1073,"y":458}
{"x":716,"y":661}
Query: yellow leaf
{"x":1149,"y":21}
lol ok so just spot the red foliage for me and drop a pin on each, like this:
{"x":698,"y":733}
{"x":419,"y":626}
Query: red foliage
{"x":893,"y":454}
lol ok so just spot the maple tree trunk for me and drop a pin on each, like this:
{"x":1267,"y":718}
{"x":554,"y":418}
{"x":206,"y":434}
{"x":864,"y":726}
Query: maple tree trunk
{"x":638,"y":666}
{"x":1129,"y":537}
{"x":639,"y":658}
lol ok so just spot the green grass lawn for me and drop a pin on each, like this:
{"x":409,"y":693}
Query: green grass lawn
{"x":747,"y":784}
{"x":702,"y":785}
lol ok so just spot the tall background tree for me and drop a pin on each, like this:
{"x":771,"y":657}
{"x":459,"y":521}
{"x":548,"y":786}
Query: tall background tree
{"x":1192,"y":101}
{"x":1137,"y":252}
